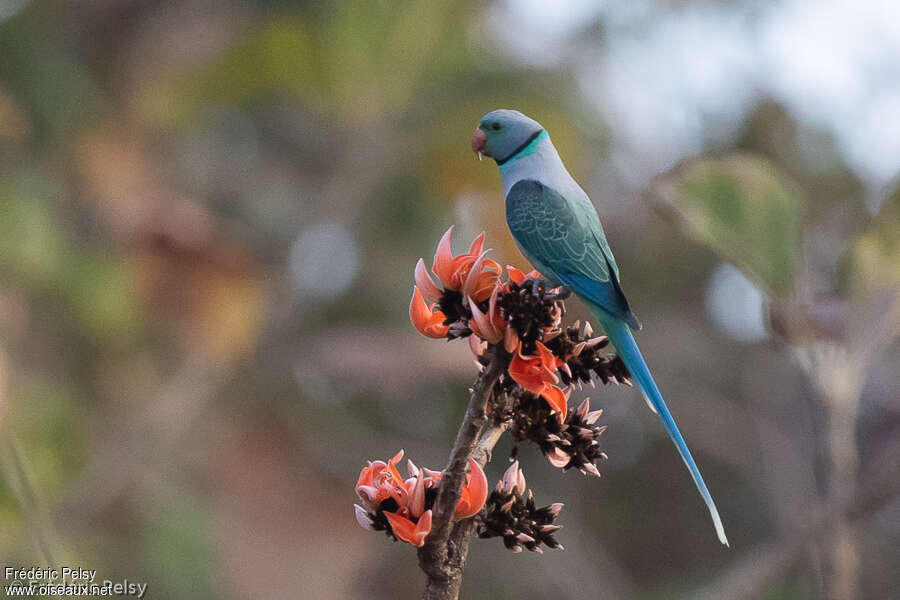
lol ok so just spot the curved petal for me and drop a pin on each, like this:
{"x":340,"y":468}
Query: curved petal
{"x":514,"y":479}
{"x":407,"y":531}
{"x":474,"y":272}
{"x":416,"y":503}
{"x":429,"y":324}
{"x":423,"y":528}
{"x":482,"y":325}
{"x":443,"y":258}
{"x":548,"y":359}
{"x":481,"y":277}
{"x":477,"y":244}
{"x":557,"y":458}
{"x":524,"y":372}
{"x":517,"y":276}
{"x":368,"y":494}
{"x":557,"y":399}
{"x":367,"y":474}
{"x":431,"y":292}
{"x":363,"y":518}
{"x":474,"y":492}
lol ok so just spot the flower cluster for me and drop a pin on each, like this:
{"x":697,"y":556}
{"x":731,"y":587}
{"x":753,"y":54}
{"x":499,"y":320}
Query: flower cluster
{"x":465,"y":279}
{"x":523,"y":316}
{"x":402,"y":507}
{"x":512,"y":514}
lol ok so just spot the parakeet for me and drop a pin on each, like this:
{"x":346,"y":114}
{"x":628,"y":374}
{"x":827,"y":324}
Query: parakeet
{"x":557,"y":228}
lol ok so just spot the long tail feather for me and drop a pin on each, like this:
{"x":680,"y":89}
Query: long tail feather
{"x":621,"y":338}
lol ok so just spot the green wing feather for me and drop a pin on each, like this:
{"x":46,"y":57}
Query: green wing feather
{"x":567,"y":240}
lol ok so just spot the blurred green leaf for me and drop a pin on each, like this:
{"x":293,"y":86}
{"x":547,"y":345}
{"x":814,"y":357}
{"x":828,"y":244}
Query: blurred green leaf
{"x":30,"y":239}
{"x":177,"y":547}
{"x":96,"y":289}
{"x":742,"y":208}
{"x":44,"y":75}
{"x":875,"y":256}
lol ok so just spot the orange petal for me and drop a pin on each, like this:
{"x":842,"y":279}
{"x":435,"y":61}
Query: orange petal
{"x":474,"y":492}
{"x":407,"y":531}
{"x":482,"y":279}
{"x":482,"y":325}
{"x":477,"y":244}
{"x":515,"y":275}
{"x":367,"y":473}
{"x":548,"y":359}
{"x":443,"y":265}
{"x":430,"y":292}
{"x":474,"y":273}
{"x":429,"y":324}
{"x":416,"y":503}
{"x":423,"y":528}
{"x":557,"y":399}
{"x":527,"y":373}
{"x":392,"y":464}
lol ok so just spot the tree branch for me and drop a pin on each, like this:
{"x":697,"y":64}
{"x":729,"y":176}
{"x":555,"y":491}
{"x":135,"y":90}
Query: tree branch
{"x":443,"y":556}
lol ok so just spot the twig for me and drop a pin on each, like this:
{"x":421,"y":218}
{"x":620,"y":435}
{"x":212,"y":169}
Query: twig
{"x":443,"y":556}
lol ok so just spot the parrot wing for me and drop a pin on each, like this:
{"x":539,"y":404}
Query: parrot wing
{"x":569,"y":242}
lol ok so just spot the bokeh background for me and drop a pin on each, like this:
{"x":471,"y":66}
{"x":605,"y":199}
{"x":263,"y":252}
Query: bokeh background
{"x":209,"y":217}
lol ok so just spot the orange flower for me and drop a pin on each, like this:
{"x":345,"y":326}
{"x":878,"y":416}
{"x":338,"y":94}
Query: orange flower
{"x":537,"y":374}
{"x":409,"y":520}
{"x":407,"y":531}
{"x":490,"y":326}
{"x":428,"y":321}
{"x":474,"y":491}
{"x":533,"y":372}
{"x":470,"y":273}
{"x":380,"y":481}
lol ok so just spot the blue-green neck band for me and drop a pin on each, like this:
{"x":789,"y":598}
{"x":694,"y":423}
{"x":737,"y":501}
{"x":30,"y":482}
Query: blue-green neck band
{"x":527,"y":147}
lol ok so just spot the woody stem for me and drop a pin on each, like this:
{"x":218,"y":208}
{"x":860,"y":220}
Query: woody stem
{"x":443,"y":556}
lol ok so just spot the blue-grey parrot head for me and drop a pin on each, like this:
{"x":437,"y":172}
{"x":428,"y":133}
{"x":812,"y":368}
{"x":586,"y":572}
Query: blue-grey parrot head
{"x":502,"y":133}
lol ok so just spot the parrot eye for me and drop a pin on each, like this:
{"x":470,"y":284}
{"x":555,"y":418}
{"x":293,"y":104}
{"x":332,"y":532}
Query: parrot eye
{"x":495,"y":126}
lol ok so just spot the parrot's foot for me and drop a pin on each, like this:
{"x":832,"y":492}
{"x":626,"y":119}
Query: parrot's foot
{"x":542,"y":288}
{"x":538,"y":285}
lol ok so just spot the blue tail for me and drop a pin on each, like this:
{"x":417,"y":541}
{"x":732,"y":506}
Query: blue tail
{"x":621,"y":338}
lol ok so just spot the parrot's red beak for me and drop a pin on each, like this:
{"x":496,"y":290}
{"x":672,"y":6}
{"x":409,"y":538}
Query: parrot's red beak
{"x":479,"y":140}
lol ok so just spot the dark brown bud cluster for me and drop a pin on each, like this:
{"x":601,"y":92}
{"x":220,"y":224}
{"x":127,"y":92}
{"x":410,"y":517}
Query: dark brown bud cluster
{"x":572,"y":444}
{"x":584,"y":359}
{"x":511,"y":513}
{"x":532,"y":309}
